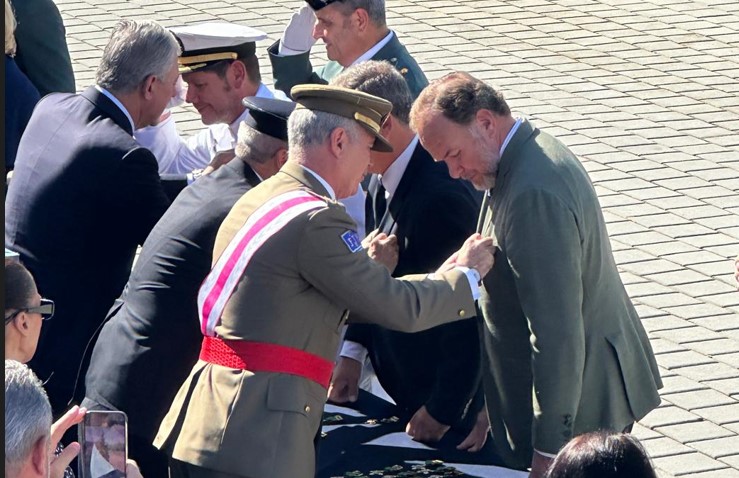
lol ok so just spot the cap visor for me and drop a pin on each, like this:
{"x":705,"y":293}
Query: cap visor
{"x":381,"y":145}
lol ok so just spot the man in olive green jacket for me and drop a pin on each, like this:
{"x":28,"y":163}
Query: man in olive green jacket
{"x":353,"y":31}
{"x":566,"y":352}
{"x":288,"y":267}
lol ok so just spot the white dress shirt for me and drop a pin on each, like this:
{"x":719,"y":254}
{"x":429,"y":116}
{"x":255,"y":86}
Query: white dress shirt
{"x":176,"y":155}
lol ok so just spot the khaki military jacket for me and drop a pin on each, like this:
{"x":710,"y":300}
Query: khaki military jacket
{"x":566,"y":352}
{"x":295,"y":292}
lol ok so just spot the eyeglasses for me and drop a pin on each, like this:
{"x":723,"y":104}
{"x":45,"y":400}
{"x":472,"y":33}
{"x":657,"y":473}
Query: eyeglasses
{"x":46,"y":309}
{"x":319,"y":4}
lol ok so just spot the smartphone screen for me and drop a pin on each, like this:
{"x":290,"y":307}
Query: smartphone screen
{"x":103,"y":442}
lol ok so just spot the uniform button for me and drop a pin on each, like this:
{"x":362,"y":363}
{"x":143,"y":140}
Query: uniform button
{"x":307,"y":409}
{"x":461,"y":312}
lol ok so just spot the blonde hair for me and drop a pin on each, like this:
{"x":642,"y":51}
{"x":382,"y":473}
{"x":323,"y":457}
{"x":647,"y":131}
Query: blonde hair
{"x":9,"y":29}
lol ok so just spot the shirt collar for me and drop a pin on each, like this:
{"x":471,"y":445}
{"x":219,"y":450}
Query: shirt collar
{"x":369,"y":54}
{"x":510,"y":135}
{"x":390,"y":179}
{"x":323,"y":182}
{"x":117,"y":103}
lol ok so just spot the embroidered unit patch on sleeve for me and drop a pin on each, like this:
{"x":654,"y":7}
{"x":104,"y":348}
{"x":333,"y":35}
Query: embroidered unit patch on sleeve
{"x":351,"y":239}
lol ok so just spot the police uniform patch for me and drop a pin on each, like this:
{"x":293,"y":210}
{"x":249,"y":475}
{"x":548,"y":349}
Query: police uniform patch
{"x":351,"y":239}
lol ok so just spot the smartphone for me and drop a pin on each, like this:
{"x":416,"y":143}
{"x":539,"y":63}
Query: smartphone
{"x":103,"y":438}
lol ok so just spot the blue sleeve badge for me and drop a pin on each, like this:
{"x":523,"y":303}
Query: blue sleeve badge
{"x":351,"y":239}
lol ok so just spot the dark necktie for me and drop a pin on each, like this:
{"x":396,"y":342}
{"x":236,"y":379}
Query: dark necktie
{"x":375,"y":205}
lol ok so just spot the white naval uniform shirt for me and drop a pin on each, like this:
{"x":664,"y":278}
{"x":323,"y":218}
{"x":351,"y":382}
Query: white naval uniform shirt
{"x":176,"y":155}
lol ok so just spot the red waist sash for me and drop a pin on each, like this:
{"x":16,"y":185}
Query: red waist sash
{"x":264,"y":357}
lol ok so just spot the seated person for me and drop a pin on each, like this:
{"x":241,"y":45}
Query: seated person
{"x":602,"y":455}
{"x":29,"y":433}
{"x":25,"y":310}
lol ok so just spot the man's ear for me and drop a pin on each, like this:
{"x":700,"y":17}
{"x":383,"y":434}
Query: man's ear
{"x":387,"y":126}
{"x":147,"y":87}
{"x":361,"y":17}
{"x":280,"y":157}
{"x":237,"y":74}
{"x":486,"y":121}
{"x":40,"y":457}
{"x":338,"y":141}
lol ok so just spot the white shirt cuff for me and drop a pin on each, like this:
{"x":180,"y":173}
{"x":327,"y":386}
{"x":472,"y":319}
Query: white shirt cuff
{"x":282,"y":50}
{"x":474,"y":279}
{"x":354,"y":351}
{"x":548,"y":455}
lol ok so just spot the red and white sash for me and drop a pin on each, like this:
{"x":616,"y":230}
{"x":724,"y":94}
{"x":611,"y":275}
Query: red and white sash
{"x":263,"y":223}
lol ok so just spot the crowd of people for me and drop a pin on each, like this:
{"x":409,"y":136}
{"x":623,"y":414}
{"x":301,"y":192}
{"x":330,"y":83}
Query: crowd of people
{"x":355,"y":218}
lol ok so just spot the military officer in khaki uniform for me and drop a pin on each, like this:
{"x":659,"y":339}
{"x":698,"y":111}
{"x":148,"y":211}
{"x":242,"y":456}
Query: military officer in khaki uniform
{"x":288,"y":267}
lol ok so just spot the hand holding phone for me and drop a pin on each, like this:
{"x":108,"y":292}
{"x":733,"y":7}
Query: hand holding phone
{"x":103,"y":437}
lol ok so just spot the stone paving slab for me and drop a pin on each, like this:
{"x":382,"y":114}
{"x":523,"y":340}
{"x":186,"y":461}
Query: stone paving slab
{"x":646,"y":92}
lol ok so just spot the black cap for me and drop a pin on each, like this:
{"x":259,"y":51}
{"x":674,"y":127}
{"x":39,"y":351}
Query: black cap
{"x":268,"y":115}
{"x":319,"y":4}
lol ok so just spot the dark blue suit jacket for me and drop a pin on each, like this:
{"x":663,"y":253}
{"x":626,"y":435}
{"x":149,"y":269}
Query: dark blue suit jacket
{"x":148,"y":347}
{"x":19,"y":104}
{"x":84,"y":194}
{"x":431,"y":214}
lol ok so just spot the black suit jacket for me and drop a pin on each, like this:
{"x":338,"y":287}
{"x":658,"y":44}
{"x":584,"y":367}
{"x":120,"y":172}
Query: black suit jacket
{"x":84,"y":194}
{"x":146,"y":350}
{"x":432,"y":214}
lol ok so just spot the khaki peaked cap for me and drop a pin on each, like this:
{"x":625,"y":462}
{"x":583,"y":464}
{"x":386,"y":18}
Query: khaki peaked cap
{"x":367,"y":110}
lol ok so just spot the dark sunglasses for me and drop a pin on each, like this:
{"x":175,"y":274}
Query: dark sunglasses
{"x":319,"y":4}
{"x":46,"y":309}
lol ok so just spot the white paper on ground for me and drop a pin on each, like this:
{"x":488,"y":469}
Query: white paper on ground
{"x":334,"y":409}
{"x":398,"y":439}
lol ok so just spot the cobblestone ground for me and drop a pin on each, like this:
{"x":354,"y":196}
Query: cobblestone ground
{"x":647,"y":93}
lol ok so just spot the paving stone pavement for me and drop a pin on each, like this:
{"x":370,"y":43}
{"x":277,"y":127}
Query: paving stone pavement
{"x":646,"y":92}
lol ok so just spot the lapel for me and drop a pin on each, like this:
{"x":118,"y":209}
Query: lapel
{"x":244,"y":170}
{"x":524,"y":132}
{"x":388,"y":224}
{"x":301,"y":175}
{"x":390,"y":52}
{"x":103,"y":103}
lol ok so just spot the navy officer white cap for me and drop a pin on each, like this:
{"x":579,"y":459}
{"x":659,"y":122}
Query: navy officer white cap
{"x":204,"y":44}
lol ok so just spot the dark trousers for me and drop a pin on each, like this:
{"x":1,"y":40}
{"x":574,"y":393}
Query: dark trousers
{"x":151,"y":461}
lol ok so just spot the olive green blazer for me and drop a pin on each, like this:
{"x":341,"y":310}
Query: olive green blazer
{"x":296,"y":292}
{"x":292,"y":70}
{"x":566,"y":352}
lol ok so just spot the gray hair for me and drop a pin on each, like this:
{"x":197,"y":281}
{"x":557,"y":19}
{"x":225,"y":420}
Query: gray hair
{"x":379,"y":78}
{"x":256,"y":147}
{"x":136,"y":51}
{"x":375,"y":9}
{"x":27,"y":415}
{"x":306,"y":127}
